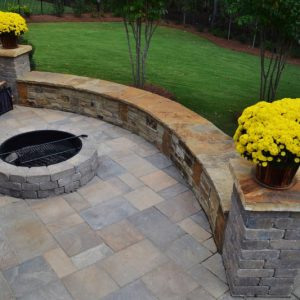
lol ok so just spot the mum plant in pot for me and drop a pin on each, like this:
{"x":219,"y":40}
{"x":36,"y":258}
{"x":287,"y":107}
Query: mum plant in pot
{"x":12,"y":25}
{"x":269,"y":135}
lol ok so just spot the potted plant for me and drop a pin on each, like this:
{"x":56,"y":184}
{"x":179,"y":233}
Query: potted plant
{"x":269,"y":135}
{"x":12,"y":25}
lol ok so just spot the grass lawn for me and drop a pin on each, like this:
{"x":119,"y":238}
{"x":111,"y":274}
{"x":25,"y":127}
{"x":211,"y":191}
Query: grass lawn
{"x":216,"y":83}
{"x":34,"y":5}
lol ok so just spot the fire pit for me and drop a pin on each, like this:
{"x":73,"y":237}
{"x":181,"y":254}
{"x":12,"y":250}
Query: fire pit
{"x":40,"y":148}
{"x":44,"y":163}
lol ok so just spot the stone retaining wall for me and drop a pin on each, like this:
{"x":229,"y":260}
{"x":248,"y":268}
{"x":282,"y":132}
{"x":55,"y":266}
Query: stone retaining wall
{"x":199,"y":149}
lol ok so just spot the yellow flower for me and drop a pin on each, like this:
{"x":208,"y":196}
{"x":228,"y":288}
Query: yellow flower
{"x":270,"y":132}
{"x":12,"y":23}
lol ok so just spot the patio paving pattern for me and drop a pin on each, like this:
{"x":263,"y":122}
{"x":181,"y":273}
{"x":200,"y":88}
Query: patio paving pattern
{"x":134,"y":232}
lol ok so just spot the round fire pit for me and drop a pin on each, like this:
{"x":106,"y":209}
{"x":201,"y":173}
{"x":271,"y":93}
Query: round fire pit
{"x":44,"y":163}
{"x":40,"y":148}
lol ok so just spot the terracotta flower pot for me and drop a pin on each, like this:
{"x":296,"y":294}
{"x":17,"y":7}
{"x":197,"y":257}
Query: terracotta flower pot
{"x":9,"y":40}
{"x":276,"y":177}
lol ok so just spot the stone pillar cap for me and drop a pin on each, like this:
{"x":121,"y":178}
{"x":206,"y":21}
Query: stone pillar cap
{"x":22,"y":49}
{"x":255,"y":197}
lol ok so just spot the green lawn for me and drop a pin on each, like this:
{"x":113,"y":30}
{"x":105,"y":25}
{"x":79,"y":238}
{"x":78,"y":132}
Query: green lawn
{"x":34,"y":5}
{"x":215,"y":82}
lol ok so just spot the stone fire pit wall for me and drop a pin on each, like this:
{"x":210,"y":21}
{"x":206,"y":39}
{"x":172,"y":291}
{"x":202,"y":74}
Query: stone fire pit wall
{"x":261,"y":250}
{"x":199,"y":149}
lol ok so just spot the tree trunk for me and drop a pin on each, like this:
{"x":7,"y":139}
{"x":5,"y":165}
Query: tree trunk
{"x":271,"y":72}
{"x":254,"y":37}
{"x":138,"y":52}
{"x":215,"y":12}
{"x":229,"y":28}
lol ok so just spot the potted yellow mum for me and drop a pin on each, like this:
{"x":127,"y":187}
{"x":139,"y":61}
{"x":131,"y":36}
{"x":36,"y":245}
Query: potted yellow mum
{"x":12,"y":25}
{"x":269,"y":135}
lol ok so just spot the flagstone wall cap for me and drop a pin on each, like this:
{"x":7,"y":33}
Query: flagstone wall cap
{"x":255,"y":197}
{"x":22,"y":49}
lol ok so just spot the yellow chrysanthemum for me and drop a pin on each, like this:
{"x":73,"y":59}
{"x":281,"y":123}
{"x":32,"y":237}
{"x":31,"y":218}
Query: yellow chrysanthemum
{"x":12,"y":23}
{"x":270,"y":132}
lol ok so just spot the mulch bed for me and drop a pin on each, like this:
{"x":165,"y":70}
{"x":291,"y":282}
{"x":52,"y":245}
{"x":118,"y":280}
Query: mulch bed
{"x":72,"y":18}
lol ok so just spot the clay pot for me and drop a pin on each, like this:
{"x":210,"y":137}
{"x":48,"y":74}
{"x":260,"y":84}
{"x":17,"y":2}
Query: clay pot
{"x":9,"y":40}
{"x":276,"y":177}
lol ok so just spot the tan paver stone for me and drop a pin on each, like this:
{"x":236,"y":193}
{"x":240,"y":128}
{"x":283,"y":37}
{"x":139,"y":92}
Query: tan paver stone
{"x":30,"y":238}
{"x":200,"y":294}
{"x":77,"y":239}
{"x":180,"y":207}
{"x":215,"y":265}
{"x":131,"y":180}
{"x":169,"y":282}
{"x":25,"y":233}
{"x":158,"y":180}
{"x":91,"y":283}
{"x":208,"y":281}
{"x":119,"y":154}
{"x":145,"y":149}
{"x":120,"y":185}
{"x":210,"y":245}
{"x":133,"y":262}
{"x":136,"y":165}
{"x":143,"y":198}
{"x":120,"y":235}
{"x":5,"y":291}
{"x":196,"y":231}
{"x":76,"y":201}
{"x":5,"y":200}
{"x":52,"y":116}
{"x":91,"y":256}
{"x":103,"y":149}
{"x":60,"y":262}
{"x":8,"y":257}
{"x":99,"y":192}
{"x":64,"y":223}
{"x":52,"y":209}
{"x":121,"y":143}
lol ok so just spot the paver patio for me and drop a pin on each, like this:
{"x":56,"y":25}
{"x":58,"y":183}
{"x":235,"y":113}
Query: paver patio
{"x":135,"y":232}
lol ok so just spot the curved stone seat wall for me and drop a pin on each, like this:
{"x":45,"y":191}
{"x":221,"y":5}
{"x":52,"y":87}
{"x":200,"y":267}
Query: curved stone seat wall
{"x":199,"y":149}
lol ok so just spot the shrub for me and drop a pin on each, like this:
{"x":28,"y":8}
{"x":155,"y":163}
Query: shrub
{"x":79,"y":7}
{"x":25,"y":41}
{"x":58,"y":8}
{"x":23,"y":10}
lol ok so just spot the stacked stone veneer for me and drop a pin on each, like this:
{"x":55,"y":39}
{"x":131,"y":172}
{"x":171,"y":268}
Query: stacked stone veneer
{"x":199,"y":149}
{"x":42,"y":182}
{"x":262,"y":242}
{"x":13,"y":64}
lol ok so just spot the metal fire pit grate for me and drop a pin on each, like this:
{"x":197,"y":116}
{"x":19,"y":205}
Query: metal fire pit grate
{"x":40,"y":148}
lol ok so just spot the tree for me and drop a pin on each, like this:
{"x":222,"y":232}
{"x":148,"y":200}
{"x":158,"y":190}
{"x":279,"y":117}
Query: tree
{"x":215,"y":12}
{"x":278,"y":25}
{"x":141,"y":18}
{"x":186,"y":6}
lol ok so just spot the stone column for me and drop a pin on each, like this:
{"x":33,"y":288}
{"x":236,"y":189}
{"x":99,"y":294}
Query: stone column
{"x":13,"y":64}
{"x":261,"y":251}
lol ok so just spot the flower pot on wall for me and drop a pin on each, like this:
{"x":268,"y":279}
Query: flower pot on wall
{"x":276,"y":177}
{"x":9,"y":40}
{"x":12,"y":26}
{"x":268,"y":135}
